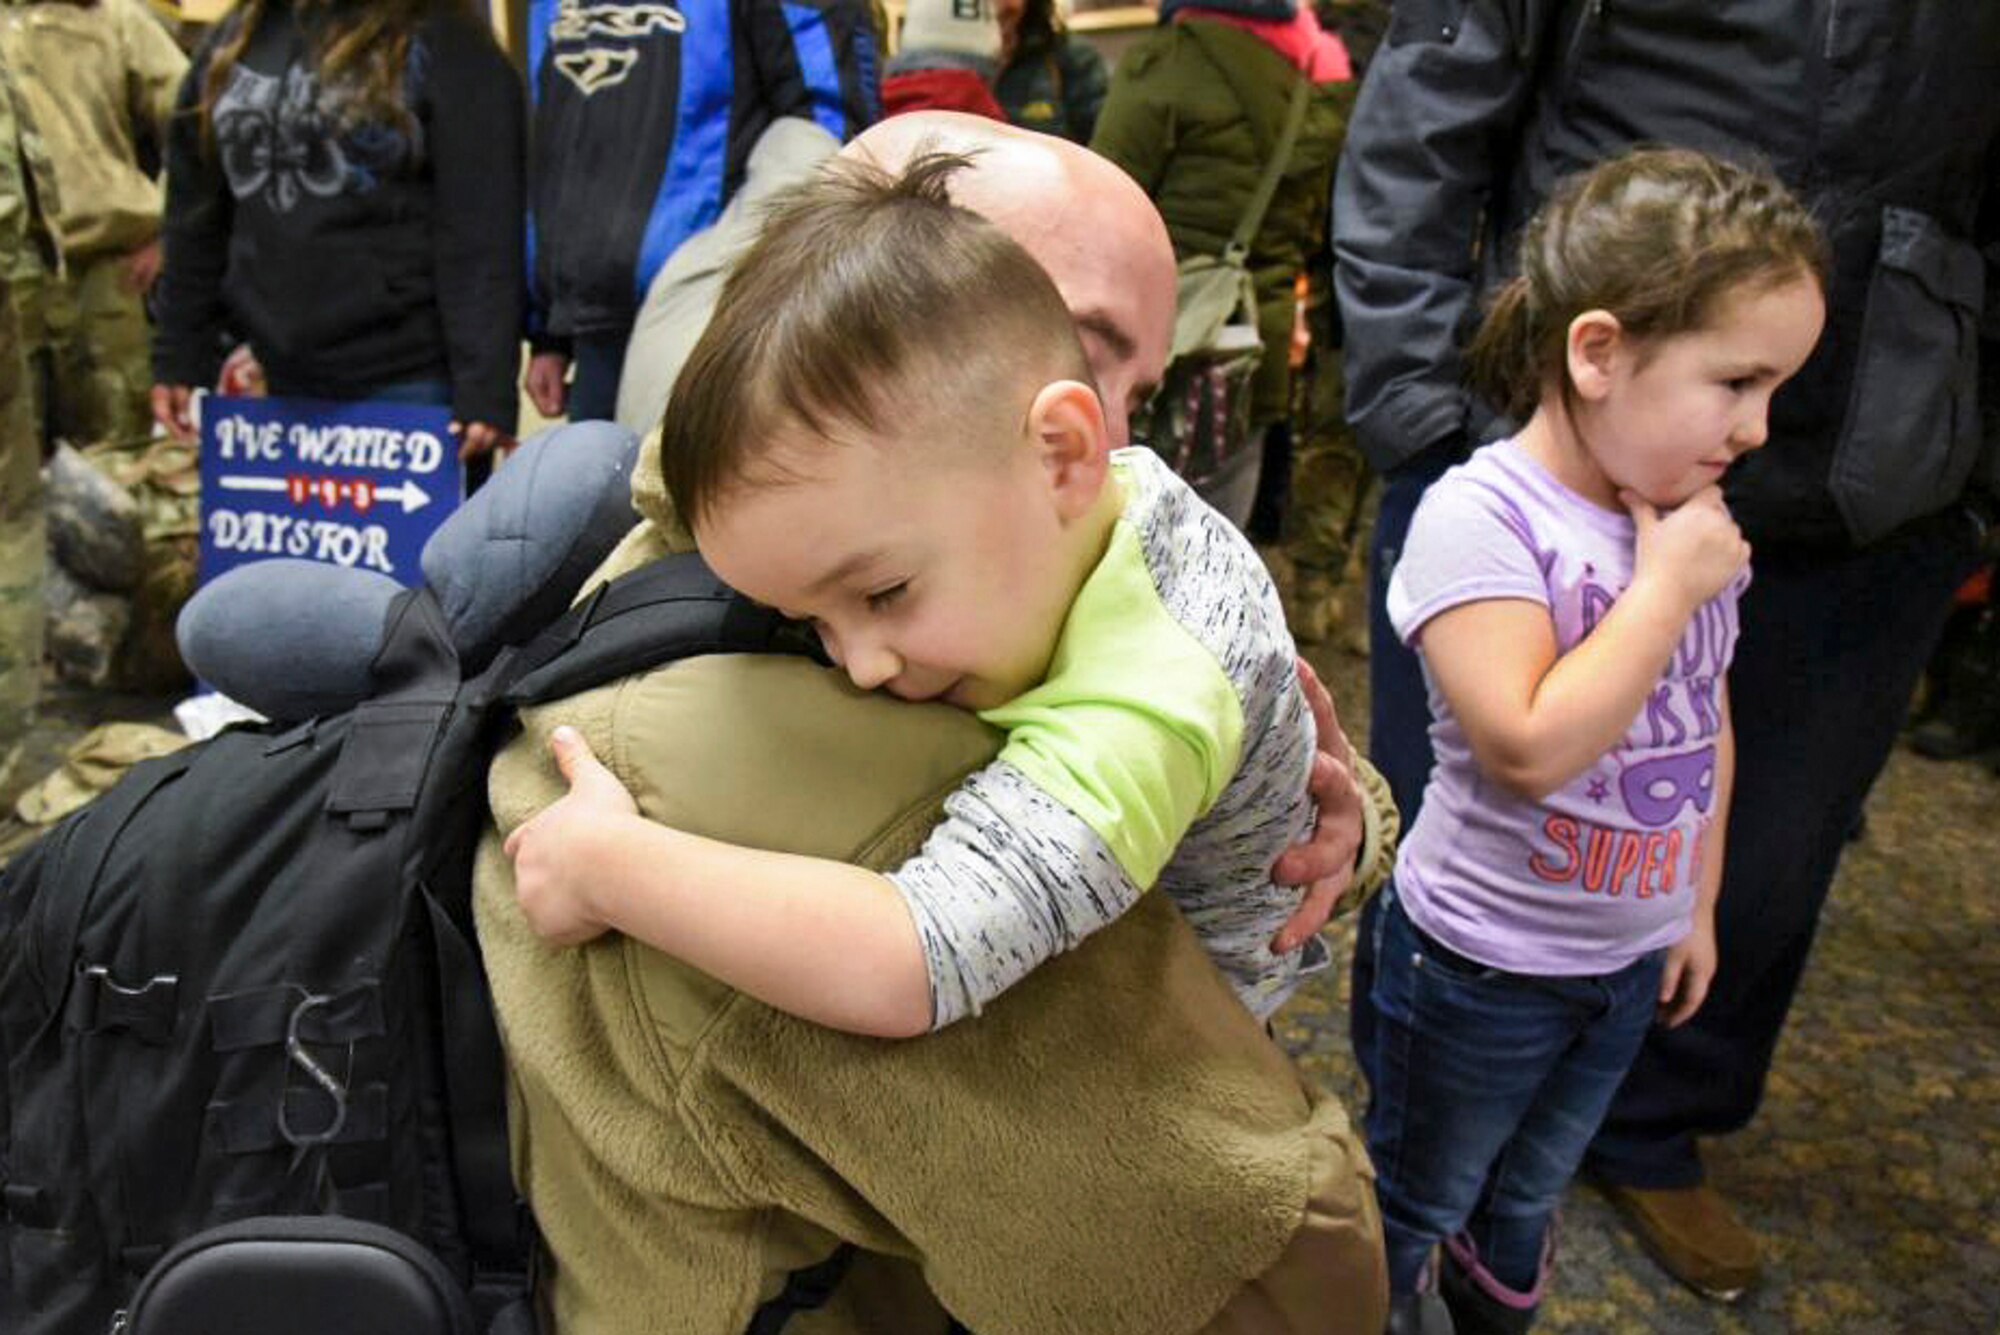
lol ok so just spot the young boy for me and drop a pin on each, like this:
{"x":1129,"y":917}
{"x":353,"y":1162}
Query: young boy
{"x":888,"y":430}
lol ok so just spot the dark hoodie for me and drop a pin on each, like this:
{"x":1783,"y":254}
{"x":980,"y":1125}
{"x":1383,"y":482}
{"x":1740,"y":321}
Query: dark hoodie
{"x":350,"y":258}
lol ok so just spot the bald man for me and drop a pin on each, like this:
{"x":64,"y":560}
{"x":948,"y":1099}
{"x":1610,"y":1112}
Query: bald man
{"x":1071,"y":210}
{"x":1113,"y":1146}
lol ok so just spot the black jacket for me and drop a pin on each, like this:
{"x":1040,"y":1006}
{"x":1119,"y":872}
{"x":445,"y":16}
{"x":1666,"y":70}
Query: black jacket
{"x":645,"y":115}
{"x":350,"y":259}
{"x":1883,"y":114}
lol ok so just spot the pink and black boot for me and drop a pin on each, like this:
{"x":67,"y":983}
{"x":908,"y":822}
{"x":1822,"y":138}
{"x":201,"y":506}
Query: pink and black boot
{"x":1480,"y":1304}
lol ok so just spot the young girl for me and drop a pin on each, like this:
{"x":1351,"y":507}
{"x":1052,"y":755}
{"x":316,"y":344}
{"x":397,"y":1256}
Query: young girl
{"x":345,"y":191}
{"x":1572,"y":593}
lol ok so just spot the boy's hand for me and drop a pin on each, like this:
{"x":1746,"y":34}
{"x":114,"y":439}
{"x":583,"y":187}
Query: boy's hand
{"x":1324,"y":865}
{"x":1690,"y":969}
{"x":1694,"y":549}
{"x":549,"y":879}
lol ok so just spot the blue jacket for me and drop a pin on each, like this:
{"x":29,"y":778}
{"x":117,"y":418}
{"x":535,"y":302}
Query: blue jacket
{"x":1881,"y":114}
{"x":645,"y":113}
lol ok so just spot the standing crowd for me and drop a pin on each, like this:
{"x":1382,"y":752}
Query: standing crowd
{"x":1673,"y":338}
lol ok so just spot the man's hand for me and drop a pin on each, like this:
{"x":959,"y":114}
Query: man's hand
{"x":479,"y":437}
{"x":1324,"y":865}
{"x":1690,"y":969}
{"x":142,"y":268}
{"x":547,"y":382}
{"x":173,"y":408}
{"x":550,"y":852}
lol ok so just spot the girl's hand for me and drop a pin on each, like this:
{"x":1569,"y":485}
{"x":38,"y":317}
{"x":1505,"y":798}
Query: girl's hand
{"x":173,"y":408}
{"x":1694,"y":549}
{"x":476,"y":438}
{"x":1690,"y":969}
{"x":551,"y":853}
{"x":547,"y":383}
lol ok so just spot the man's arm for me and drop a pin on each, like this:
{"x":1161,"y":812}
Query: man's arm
{"x":476,"y":114}
{"x":195,"y":235}
{"x":1431,"y":135}
{"x":154,"y":68}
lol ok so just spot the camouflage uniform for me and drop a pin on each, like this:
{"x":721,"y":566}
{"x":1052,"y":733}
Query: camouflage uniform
{"x":1329,"y":484}
{"x":24,"y":244}
{"x":1330,"y":479}
{"x":98,"y":80}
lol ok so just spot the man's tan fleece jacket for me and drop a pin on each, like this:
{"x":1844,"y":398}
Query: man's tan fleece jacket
{"x":1114,"y":1146}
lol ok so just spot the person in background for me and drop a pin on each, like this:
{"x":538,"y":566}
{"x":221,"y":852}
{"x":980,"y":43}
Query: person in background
{"x":97,"y":80}
{"x":1857,"y":508}
{"x":1049,"y":80}
{"x":644,"y":120}
{"x":945,"y":61}
{"x":25,"y":176}
{"x":1194,"y":113}
{"x":344,"y":190}
{"x":1572,"y":592}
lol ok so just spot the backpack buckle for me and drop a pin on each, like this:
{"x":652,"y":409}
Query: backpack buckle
{"x":99,"y":1004}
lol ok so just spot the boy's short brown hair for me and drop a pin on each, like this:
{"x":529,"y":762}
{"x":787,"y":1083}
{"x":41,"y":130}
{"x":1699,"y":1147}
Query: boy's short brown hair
{"x":869,"y":305}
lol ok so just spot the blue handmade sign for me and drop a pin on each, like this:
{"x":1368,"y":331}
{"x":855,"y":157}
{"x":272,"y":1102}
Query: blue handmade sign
{"x":350,"y":484}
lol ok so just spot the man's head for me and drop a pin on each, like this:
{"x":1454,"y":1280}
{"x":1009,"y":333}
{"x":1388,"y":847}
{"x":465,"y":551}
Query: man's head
{"x":1087,"y":223}
{"x":888,"y":429}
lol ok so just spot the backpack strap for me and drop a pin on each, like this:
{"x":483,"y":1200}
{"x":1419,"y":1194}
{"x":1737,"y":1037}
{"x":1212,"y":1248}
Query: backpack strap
{"x":666,"y":610}
{"x":90,"y":840}
{"x":1274,"y":170}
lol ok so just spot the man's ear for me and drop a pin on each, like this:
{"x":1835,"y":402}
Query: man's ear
{"x":1066,"y":427}
{"x":1595,"y":338}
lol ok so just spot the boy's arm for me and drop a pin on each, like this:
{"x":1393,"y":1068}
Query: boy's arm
{"x":815,"y":938}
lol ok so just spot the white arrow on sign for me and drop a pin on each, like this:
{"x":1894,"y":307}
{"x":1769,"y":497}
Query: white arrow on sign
{"x":407,"y":494}
{"x":412,"y":496}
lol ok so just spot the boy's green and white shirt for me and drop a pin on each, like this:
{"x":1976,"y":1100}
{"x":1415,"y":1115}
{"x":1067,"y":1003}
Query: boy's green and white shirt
{"x":1170,"y":745}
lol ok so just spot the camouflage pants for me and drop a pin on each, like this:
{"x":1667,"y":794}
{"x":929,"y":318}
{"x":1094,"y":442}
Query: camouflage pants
{"x":87,"y":346}
{"x":21,"y":542}
{"x":1330,"y":479}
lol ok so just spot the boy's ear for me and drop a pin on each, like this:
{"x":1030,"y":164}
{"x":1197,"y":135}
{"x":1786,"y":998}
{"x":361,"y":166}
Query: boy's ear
{"x":1066,"y":427}
{"x":1590,"y":351}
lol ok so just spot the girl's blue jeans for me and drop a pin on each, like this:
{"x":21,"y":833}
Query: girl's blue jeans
{"x":1487,"y":1087}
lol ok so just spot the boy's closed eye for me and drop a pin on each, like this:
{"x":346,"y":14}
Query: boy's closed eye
{"x":882,"y":599}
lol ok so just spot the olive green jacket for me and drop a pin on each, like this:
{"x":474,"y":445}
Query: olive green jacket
{"x":98,"y":80}
{"x":28,"y":188}
{"x":1194,"y":114}
{"x":1112,"y":1147}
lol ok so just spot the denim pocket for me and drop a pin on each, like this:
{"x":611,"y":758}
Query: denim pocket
{"x":1912,"y":430}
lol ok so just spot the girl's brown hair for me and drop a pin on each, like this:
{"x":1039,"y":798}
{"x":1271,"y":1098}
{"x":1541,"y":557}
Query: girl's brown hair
{"x":1657,"y":237}
{"x":360,"y":48}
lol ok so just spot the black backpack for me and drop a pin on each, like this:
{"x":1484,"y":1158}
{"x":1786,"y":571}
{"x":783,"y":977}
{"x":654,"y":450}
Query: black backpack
{"x":244,"y":983}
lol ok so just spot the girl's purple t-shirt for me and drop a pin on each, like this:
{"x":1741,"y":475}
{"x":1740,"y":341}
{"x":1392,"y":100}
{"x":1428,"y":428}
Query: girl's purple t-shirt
{"x":1604,"y":869}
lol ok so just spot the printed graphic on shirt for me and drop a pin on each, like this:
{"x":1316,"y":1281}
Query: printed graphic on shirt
{"x":597,"y":45}
{"x":1647,"y":784}
{"x":280,"y":136}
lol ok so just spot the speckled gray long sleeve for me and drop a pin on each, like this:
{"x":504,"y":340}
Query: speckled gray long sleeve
{"x":1012,"y":876}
